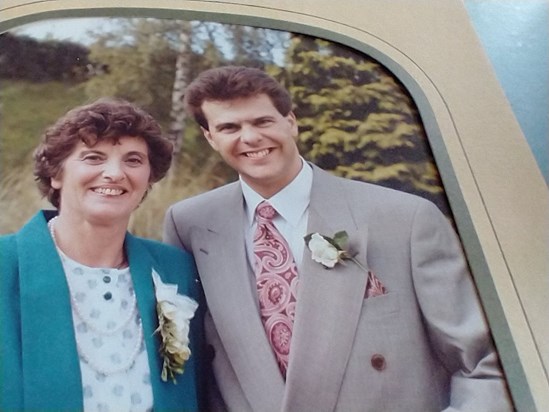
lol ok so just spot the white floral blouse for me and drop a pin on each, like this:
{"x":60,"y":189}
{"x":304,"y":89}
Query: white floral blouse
{"x":113,"y":360}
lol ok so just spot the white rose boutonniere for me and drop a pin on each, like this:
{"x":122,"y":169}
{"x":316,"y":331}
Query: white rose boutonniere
{"x":328,"y":251}
{"x":175,"y":312}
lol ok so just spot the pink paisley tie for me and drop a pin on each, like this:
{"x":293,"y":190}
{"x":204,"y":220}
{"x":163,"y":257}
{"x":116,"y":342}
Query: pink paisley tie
{"x":276,"y":277}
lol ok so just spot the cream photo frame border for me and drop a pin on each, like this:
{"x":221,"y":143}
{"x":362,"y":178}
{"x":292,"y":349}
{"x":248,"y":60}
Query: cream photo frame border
{"x":498,"y":196}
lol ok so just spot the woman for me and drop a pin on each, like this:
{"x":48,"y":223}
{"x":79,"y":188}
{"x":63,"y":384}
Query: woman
{"x":85,"y":307}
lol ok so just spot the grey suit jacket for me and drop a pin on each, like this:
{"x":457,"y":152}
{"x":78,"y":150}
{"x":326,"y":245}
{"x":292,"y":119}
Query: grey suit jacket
{"x":424,"y":346}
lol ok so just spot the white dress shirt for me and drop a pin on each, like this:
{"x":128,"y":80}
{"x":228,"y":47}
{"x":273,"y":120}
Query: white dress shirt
{"x":292,"y":205}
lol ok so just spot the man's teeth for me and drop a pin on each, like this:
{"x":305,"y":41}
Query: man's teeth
{"x":108,"y":191}
{"x":259,"y":154}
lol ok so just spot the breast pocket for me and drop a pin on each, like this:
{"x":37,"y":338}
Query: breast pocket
{"x":381,"y":305}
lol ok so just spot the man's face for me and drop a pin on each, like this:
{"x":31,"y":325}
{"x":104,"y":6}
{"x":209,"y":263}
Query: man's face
{"x":255,"y":140}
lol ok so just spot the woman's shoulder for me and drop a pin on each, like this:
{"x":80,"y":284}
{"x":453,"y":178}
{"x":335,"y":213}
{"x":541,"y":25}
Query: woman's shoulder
{"x":8,"y":247}
{"x":162,"y":250}
{"x":7,"y":239}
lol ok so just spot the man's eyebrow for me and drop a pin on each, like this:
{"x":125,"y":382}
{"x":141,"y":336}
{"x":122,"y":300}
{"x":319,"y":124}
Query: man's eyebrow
{"x":261,"y":118}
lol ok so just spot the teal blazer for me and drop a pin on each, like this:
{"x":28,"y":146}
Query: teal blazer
{"x":39,"y":365}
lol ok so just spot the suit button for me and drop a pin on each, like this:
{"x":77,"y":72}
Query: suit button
{"x":378,"y":362}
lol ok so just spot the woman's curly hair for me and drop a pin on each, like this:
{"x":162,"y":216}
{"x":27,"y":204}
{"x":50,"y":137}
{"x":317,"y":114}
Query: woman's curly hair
{"x":104,"y":119}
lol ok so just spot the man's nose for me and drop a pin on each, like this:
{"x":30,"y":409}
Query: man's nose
{"x":250,"y":134}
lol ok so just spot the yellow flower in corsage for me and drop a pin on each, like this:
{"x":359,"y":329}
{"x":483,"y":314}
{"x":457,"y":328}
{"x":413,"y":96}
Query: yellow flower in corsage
{"x":175,"y":312}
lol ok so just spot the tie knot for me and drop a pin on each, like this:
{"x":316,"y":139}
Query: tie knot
{"x":265,"y":212}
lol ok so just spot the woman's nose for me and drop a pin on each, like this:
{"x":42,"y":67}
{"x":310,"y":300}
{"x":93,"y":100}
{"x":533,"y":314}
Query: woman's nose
{"x":113,"y":170}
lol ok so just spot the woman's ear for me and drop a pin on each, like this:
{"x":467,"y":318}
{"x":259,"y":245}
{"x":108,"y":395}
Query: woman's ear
{"x":56,"y":182}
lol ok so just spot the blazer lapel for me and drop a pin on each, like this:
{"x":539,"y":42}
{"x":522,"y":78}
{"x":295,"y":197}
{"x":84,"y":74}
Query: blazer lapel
{"x":328,"y":308}
{"x":47,"y":332}
{"x":141,"y":272}
{"x":226,"y":276}
{"x":48,"y":341}
{"x":166,"y":395}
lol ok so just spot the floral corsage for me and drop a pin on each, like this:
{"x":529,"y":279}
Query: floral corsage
{"x":328,"y":251}
{"x":175,"y":312}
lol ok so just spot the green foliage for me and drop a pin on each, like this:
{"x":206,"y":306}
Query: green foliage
{"x":358,"y":121}
{"x":141,"y":71}
{"x":25,"y":58}
{"x":26,"y":110}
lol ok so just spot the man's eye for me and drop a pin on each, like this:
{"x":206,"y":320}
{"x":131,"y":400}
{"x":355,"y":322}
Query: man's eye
{"x":230,"y":128}
{"x":264,"y":122}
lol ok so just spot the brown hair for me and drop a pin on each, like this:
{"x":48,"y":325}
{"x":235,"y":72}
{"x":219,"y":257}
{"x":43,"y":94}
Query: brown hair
{"x":104,"y":119}
{"x":233,"y":82}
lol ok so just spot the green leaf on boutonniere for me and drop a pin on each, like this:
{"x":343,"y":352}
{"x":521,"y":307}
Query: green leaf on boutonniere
{"x":340,"y":240}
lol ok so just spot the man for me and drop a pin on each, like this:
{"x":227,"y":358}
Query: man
{"x":400,"y":330}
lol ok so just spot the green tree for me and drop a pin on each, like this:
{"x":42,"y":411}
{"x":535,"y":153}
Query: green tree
{"x":358,"y":121}
{"x":255,"y":46}
{"x":24,"y":58}
{"x":136,"y":62}
{"x":181,"y":80}
{"x":203,"y":45}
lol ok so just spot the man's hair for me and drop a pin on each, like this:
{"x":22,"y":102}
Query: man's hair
{"x":233,"y":82}
{"x":106,"y":119}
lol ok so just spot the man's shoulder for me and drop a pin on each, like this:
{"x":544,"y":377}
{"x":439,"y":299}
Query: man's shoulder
{"x":208,"y":199}
{"x":370,"y":200}
{"x":373,"y":191}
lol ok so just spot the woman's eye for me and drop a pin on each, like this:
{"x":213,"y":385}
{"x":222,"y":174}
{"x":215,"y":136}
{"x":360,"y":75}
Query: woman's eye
{"x":134,"y":161}
{"x":92,"y":158}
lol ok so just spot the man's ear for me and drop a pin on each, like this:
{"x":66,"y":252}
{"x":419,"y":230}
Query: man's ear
{"x":209,"y":138}
{"x":293,"y":124}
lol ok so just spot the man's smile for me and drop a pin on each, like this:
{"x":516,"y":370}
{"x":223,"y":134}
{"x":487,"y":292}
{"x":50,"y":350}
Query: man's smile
{"x":258,"y":154}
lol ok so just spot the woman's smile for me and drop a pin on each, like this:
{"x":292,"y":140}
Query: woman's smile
{"x":116,"y":175}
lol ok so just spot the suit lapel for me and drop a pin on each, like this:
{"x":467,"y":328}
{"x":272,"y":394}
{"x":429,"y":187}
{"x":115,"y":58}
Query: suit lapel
{"x":328,"y":308}
{"x":226,"y":276}
{"x":47,"y":332}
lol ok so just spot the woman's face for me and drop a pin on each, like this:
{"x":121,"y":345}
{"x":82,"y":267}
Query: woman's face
{"x":105,"y":182}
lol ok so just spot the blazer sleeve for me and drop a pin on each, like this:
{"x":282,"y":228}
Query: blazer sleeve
{"x":11,"y":375}
{"x":454,"y":316}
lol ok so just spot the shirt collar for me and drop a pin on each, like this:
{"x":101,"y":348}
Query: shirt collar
{"x":290,"y":203}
